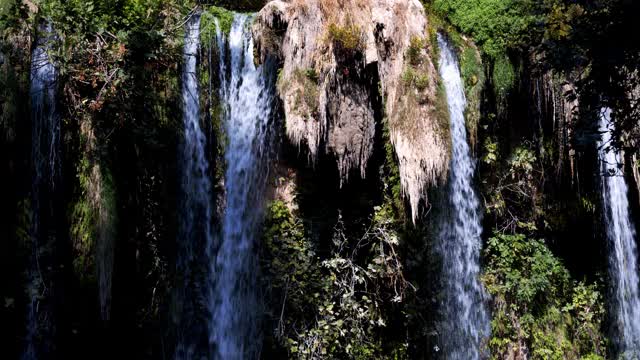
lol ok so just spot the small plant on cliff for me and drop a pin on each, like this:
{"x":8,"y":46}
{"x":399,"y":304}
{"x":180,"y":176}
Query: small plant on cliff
{"x":422,"y":81}
{"x":347,"y":39}
{"x":415,"y":50}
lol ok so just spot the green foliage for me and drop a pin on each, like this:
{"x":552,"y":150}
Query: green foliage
{"x":79,"y":16}
{"x":523,"y":271}
{"x":472,"y":72}
{"x":522,"y":160}
{"x":292,"y":256}
{"x":470,"y":67}
{"x":421,"y":81}
{"x":537,"y":306}
{"x":312,"y":75}
{"x":559,"y":20}
{"x":9,"y":11}
{"x":348,"y":38}
{"x":83,"y":219}
{"x":408,"y":76}
{"x":415,"y":50}
{"x":308,"y":90}
{"x":417,"y":78}
{"x":331,"y":307}
{"x":490,"y":151}
{"x":416,"y":72}
{"x":208,"y":20}
{"x":504,"y":77}
{"x":512,"y":189}
{"x":441,"y":112}
{"x":392,"y":184}
{"x":496,"y":25}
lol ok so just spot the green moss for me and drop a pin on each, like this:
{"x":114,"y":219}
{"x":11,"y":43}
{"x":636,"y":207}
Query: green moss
{"x":308,"y":91}
{"x":470,"y":67}
{"x":455,"y":38}
{"x":441,"y":113}
{"x":208,"y":22}
{"x":472,"y":73}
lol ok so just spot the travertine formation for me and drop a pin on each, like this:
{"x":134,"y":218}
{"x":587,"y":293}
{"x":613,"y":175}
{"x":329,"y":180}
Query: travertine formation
{"x":338,"y":57}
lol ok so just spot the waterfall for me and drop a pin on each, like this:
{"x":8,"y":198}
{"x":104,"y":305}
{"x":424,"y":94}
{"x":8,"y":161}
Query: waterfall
{"x":45,"y":157}
{"x":621,"y":242}
{"x":194,"y":227}
{"x":247,"y":95}
{"x":465,"y":319}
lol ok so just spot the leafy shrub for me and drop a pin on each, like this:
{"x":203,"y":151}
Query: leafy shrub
{"x":490,"y":151}
{"x":496,"y":25}
{"x":538,"y":308}
{"x":332,"y":307}
{"x":522,"y":160}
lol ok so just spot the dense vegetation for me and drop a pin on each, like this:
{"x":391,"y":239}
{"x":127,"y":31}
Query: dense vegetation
{"x":345,"y":272}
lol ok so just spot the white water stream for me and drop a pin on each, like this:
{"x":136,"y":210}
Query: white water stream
{"x":466,"y":323}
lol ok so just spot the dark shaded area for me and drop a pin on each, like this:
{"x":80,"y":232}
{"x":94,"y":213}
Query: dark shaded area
{"x":238,"y":5}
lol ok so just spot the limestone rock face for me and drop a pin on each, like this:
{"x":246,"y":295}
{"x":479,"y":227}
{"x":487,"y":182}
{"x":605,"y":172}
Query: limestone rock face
{"x":339,"y":57}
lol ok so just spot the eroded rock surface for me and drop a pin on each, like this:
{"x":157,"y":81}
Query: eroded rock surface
{"x":337,"y":58}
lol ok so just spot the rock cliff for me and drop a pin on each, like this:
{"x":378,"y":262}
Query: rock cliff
{"x":338,"y":58}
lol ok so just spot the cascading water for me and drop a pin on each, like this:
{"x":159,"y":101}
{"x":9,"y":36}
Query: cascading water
{"x":248,"y":95}
{"x":465,"y":319}
{"x":625,"y":299}
{"x":45,"y":156}
{"x":194,"y":228}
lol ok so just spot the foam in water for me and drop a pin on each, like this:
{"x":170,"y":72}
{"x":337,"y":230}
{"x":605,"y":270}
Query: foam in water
{"x":623,"y":270}
{"x":194,"y":227}
{"x":45,"y":157}
{"x":465,"y":320}
{"x":248,"y":94}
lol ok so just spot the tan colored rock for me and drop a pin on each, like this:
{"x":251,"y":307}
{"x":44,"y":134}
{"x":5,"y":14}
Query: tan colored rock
{"x":333,"y":54}
{"x":33,"y":8}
